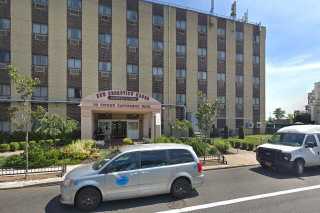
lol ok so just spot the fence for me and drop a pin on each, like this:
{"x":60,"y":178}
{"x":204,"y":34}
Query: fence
{"x":22,"y":171}
{"x":219,"y":158}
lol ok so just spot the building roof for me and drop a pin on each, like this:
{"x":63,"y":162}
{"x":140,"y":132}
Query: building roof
{"x":306,"y":129}
{"x":170,"y":4}
{"x":157,"y":146}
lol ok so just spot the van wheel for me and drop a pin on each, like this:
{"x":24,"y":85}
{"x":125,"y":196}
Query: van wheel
{"x":88,"y":199}
{"x":181,"y":188}
{"x":299,"y":167}
{"x":264,"y":166}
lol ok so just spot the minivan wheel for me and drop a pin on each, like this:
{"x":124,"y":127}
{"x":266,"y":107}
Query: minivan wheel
{"x":299,"y":167}
{"x":181,"y":188}
{"x":88,"y":199}
{"x":264,"y":166}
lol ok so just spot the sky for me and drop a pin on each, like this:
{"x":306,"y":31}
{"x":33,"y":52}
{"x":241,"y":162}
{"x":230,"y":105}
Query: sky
{"x":292,"y":45}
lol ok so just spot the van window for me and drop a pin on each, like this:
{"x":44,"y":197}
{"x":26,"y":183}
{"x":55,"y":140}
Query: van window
{"x":177,"y":156}
{"x":311,"y":139}
{"x":151,"y":159}
{"x":125,"y":162}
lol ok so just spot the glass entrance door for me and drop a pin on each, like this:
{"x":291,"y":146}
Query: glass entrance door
{"x":118,"y":129}
{"x":133,"y":130}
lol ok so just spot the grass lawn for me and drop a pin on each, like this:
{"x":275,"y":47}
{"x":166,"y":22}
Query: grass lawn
{"x":2,"y":161}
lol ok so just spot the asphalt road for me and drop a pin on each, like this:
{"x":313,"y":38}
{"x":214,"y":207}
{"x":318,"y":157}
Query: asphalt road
{"x":220,"y":185}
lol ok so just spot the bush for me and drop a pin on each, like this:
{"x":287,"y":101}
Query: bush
{"x":164,"y":139}
{"x":15,"y":161}
{"x":127,"y":141}
{"x":212,"y":150}
{"x":199,"y":147}
{"x":4,"y":147}
{"x":22,"y":145}
{"x":222,"y":146}
{"x":80,"y":149}
{"x":250,"y":146}
{"x":244,"y":145}
{"x":14,"y":146}
{"x":241,"y":133}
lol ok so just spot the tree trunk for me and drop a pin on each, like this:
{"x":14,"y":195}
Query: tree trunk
{"x":27,"y":151}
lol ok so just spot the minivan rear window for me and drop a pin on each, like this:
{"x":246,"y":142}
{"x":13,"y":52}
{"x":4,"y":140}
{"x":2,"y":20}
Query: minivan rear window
{"x":151,"y":159}
{"x":178,"y":156}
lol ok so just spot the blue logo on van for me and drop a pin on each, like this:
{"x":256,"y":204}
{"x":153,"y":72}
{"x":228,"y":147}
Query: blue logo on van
{"x":122,"y":180}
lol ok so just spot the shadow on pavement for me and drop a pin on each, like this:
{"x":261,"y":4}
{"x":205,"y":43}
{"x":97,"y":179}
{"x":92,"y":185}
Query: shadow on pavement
{"x":54,"y":205}
{"x":282,"y":174}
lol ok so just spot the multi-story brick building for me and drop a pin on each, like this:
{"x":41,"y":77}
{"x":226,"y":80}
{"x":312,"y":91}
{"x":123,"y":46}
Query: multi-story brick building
{"x":77,"y":48}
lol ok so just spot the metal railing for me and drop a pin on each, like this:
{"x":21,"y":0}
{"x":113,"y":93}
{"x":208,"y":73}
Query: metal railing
{"x":22,"y":171}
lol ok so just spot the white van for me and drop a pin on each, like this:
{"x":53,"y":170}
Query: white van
{"x":293,"y":147}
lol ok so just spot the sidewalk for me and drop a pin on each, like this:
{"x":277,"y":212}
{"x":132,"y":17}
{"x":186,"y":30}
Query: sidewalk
{"x":235,"y":158}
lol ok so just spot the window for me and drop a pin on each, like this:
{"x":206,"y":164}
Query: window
{"x":40,"y":60}
{"x":221,"y":32}
{"x":150,"y":159}
{"x":74,"y":93}
{"x":181,"y":50}
{"x":239,"y":79}
{"x":74,"y":63}
{"x":4,"y":24}
{"x":221,"y":55}
{"x":5,"y":90}
{"x":202,"y":28}
{"x":104,"y":67}
{"x":221,"y":99}
{"x":256,"y":82}
{"x":311,"y":140}
{"x":4,"y":126}
{"x":202,"y":52}
{"x":125,"y":162}
{"x":239,"y":36}
{"x":239,"y":100}
{"x":256,"y":101}
{"x":239,"y":58}
{"x":3,"y":2}
{"x":105,"y":11}
{"x":74,"y":34}
{"x":132,"y":42}
{"x":74,"y":4}
{"x":221,"y":77}
{"x":4,"y":56}
{"x":132,"y":69}
{"x":157,"y":71}
{"x":157,"y":21}
{"x":132,"y":16}
{"x":40,"y":29}
{"x":256,"y":39}
{"x":202,"y":76}
{"x":40,"y":92}
{"x":256,"y":59}
{"x":178,"y":156}
{"x":181,"y":73}
{"x":181,"y":99}
{"x":105,"y":39}
{"x":157,"y":45}
{"x":181,"y":24}
{"x":158,"y":96}
{"x":40,"y":3}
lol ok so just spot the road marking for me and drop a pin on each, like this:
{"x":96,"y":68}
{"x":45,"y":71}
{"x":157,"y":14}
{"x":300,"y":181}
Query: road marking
{"x":239,"y":200}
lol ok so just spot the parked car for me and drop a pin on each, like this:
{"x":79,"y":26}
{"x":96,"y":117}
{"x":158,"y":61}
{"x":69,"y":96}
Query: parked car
{"x":134,"y":171}
{"x":293,"y":148}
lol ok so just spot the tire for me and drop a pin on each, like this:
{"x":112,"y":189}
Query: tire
{"x":264,"y":166}
{"x":299,"y":167}
{"x":88,"y":199}
{"x":181,"y":188}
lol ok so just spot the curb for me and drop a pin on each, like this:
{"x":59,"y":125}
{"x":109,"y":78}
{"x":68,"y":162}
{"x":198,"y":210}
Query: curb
{"x":227,"y":167}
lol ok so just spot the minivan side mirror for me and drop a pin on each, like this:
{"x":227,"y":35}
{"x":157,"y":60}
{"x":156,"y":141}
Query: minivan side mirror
{"x":309,"y":144}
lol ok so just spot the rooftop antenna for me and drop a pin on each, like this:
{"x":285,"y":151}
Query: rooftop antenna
{"x":234,"y":9}
{"x":246,"y":16}
{"x":212,"y":7}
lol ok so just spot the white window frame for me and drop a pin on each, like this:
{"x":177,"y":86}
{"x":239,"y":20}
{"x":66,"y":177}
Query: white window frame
{"x":157,"y":20}
{"x":132,"y":69}
{"x":132,"y":16}
{"x":202,"y":52}
{"x":105,"y":11}
{"x":181,"y":73}
{"x":157,"y":71}
{"x":5,"y":24}
{"x":221,"y":55}
{"x":40,"y":92}
{"x":202,"y":76}
{"x":105,"y":67}
{"x":239,"y":36}
{"x":202,"y":28}
{"x":71,"y":33}
{"x":181,"y":99}
{"x":181,"y":25}
{"x":132,"y":42}
{"x":157,"y":45}
{"x":181,"y":50}
{"x":239,"y":58}
{"x":221,"y":77}
{"x":221,"y":32}
{"x":105,"y":39}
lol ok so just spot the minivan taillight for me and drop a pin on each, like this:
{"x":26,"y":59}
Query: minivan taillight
{"x":199,"y":167}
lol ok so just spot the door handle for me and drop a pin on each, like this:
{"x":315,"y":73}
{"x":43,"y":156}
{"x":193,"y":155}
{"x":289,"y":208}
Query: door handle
{"x":145,"y":173}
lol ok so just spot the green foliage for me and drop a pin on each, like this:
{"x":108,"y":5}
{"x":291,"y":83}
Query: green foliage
{"x":127,"y":141}
{"x":14,"y":146}
{"x":181,"y":128}
{"x":15,"y":161}
{"x":241,"y":133}
{"x":222,"y":146}
{"x":4,"y":147}
{"x":206,"y":116}
{"x":279,"y":113}
{"x":53,"y":125}
{"x":199,"y":147}
{"x":80,"y":149}
{"x":212,"y":150}
{"x":22,"y":145}
{"x":165,"y":139}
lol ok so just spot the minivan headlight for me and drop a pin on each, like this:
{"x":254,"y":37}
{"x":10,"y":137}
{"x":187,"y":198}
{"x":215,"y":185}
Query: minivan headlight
{"x":67,"y":182}
{"x":286,"y":156}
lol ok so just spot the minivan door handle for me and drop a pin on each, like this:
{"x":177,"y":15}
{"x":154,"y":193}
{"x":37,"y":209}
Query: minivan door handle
{"x":145,"y":172}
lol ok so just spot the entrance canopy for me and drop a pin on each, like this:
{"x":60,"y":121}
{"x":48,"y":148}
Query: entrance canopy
{"x":116,"y":106}
{"x":120,"y":101}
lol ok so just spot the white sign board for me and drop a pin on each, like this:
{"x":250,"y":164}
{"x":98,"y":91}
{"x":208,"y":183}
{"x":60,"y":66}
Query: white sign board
{"x":158,"y":119}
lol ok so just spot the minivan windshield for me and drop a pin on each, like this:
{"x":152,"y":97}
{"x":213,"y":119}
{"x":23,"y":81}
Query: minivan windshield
{"x":99,"y":164}
{"x":288,"y":139}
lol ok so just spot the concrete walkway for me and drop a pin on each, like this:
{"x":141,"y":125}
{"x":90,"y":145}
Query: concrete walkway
{"x":241,"y":158}
{"x":8,"y":154}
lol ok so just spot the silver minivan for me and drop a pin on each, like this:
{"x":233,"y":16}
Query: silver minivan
{"x":134,"y":171}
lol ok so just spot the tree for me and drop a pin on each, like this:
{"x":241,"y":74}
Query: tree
{"x":279,"y":113}
{"x":206,"y":116}
{"x":24,"y":86}
{"x":181,"y":128}
{"x":290,"y":118}
{"x":53,"y":125}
